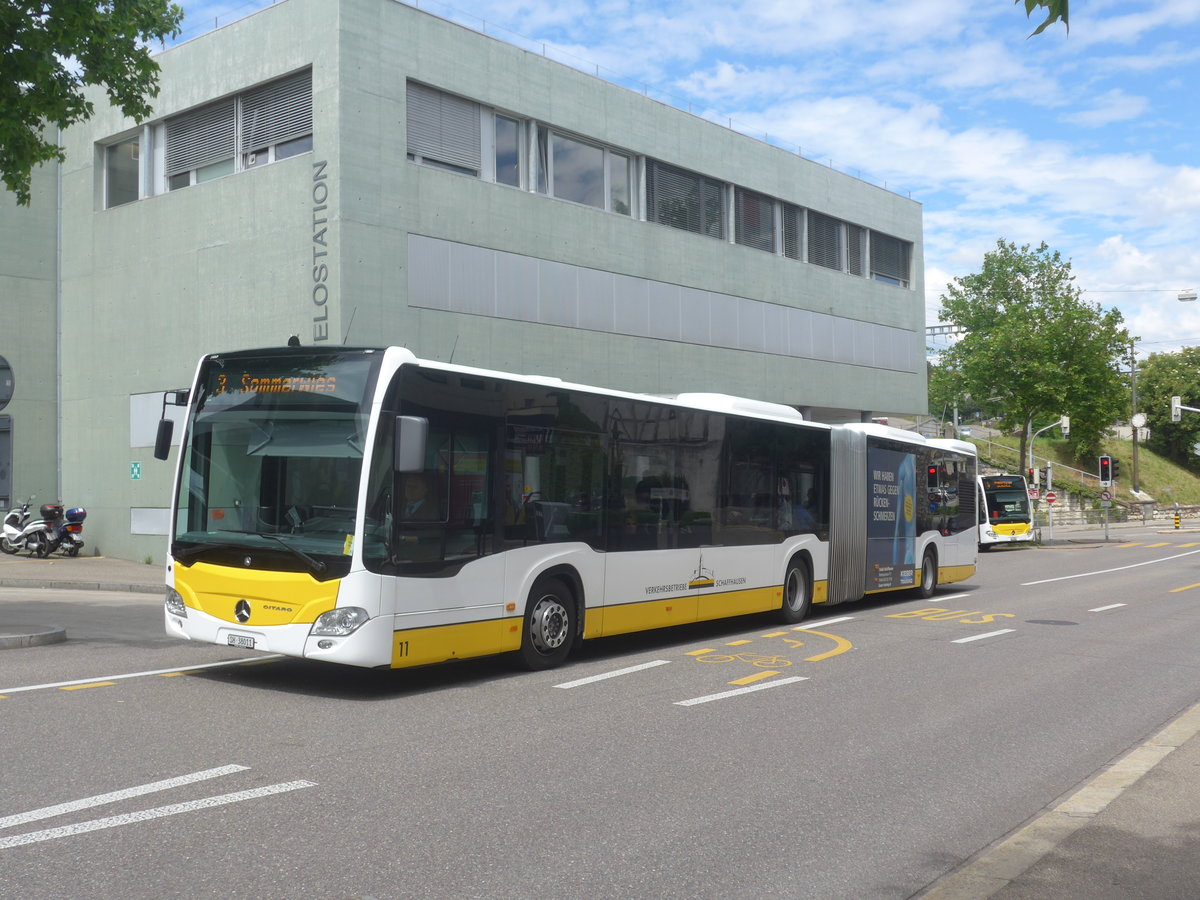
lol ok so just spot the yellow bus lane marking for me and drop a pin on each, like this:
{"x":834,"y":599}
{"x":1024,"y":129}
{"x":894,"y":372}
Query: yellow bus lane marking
{"x":1188,"y":588}
{"x":1153,"y":546}
{"x":842,"y":645}
{"x":701,"y":652}
{"x":1193,"y":544}
{"x":1126,"y":546}
{"x":737,"y":643}
{"x":84,"y":687}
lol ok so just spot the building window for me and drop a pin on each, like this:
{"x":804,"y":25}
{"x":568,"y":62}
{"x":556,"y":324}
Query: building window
{"x":508,"y":133}
{"x":276,"y":120}
{"x":443,"y":130}
{"x":582,"y":172}
{"x":856,"y":250}
{"x":793,"y":232}
{"x":824,"y":240}
{"x":262,"y":125}
{"x":891,"y":259}
{"x":754,"y":220}
{"x":122,"y":171}
{"x":685,"y":200}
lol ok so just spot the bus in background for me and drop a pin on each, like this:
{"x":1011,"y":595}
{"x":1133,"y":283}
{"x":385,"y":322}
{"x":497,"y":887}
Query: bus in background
{"x":367,"y":507}
{"x":1005,"y":514}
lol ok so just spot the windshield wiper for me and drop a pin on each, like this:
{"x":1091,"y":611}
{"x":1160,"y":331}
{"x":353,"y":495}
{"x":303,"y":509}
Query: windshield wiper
{"x":191,"y":554}
{"x":315,"y":564}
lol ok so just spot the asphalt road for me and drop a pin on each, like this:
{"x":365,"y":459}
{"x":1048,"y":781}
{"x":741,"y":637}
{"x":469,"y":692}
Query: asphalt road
{"x":894,"y":740}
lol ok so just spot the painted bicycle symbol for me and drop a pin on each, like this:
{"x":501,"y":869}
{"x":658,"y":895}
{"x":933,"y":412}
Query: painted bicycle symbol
{"x":755,"y":659}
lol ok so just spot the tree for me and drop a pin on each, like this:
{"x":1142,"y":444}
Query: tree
{"x":1161,"y":377}
{"x":57,"y":48}
{"x":1055,"y":10}
{"x":1034,"y":347}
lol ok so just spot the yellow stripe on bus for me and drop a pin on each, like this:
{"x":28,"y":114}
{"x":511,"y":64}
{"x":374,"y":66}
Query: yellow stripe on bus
{"x":440,"y":643}
{"x":217,"y":590}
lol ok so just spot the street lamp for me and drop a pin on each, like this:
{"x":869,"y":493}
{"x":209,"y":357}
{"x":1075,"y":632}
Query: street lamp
{"x":1186,"y":296}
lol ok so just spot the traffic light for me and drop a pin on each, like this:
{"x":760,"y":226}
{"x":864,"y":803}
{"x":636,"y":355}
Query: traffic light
{"x":1116,"y":469}
{"x":1031,"y":476}
{"x":1045,"y":474}
{"x":1106,"y":474}
{"x":931,"y":478}
{"x":1176,"y":410}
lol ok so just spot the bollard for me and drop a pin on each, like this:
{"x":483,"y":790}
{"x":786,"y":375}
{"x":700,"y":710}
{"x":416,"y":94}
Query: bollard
{"x":1176,"y":521}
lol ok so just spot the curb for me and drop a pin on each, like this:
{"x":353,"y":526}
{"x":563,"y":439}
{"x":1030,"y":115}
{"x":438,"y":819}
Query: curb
{"x":83,"y":586}
{"x":31,"y":635}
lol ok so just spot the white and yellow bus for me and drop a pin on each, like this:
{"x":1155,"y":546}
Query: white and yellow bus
{"x":1005,"y":514}
{"x":367,"y":507}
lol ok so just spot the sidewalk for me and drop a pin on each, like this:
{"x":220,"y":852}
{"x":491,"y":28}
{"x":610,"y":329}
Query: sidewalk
{"x":98,"y":573}
{"x":1129,"y":831}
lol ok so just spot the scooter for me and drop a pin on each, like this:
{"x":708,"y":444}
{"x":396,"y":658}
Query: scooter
{"x":34,"y":535}
{"x":67,"y":537}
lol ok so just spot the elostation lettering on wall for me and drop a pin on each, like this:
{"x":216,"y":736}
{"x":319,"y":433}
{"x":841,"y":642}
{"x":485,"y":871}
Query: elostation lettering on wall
{"x":321,"y":269}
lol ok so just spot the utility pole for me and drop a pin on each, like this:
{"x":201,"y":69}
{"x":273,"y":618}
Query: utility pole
{"x":1135,"y":419}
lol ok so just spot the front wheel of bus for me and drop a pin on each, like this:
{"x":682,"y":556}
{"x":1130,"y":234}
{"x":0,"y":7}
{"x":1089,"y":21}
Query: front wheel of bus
{"x":929,"y":574}
{"x":797,"y":592}
{"x":549,"y":625}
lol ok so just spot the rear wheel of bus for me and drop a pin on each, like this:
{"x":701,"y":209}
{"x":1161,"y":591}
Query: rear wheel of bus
{"x":549,"y":632}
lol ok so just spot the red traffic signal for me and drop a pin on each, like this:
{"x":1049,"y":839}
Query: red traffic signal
{"x":1106,"y":474}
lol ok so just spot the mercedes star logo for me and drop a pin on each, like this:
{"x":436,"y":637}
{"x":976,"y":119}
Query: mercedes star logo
{"x":242,"y":611}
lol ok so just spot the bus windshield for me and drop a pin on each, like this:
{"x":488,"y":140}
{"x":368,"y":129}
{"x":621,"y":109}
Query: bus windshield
{"x":273,"y":457}
{"x":1007,"y":506}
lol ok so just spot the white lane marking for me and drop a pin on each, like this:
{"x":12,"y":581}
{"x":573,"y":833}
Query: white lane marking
{"x":228,"y":662}
{"x":746,"y":690}
{"x":1149,"y":562}
{"x":822,"y":623}
{"x":144,"y":815}
{"x":980,"y":637}
{"x":944,"y":599}
{"x":1104,"y":608}
{"x":166,"y":784}
{"x":592,"y":678}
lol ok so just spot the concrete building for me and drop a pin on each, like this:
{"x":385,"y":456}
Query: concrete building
{"x":364,"y":172}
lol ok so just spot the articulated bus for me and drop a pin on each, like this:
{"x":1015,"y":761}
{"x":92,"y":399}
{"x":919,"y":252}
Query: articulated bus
{"x":1005,"y":516}
{"x":367,"y":507}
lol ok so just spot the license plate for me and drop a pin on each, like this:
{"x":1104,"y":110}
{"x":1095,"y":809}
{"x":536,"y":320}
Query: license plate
{"x":240,"y":640}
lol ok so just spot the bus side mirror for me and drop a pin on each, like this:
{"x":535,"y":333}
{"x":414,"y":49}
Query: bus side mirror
{"x":162,"y":440}
{"x":411,"y":434}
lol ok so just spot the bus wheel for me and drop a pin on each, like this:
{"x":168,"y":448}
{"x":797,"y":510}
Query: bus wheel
{"x":797,"y":592}
{"x":549,"y":625}
{"x":929,"y":573}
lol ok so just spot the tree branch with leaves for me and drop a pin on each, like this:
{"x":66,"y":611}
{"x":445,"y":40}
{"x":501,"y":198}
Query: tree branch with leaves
{"x":54,"y":51}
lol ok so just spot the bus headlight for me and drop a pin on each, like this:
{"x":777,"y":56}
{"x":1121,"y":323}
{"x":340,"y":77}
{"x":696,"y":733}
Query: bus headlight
{"x":175,"y":604}
{"x":340,"y":622}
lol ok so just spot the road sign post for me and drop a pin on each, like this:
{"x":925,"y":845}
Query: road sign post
{"x":1050,"y":498}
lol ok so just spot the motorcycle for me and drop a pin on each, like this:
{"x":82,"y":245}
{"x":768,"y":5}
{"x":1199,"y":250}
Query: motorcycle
{"x":38,"y":536}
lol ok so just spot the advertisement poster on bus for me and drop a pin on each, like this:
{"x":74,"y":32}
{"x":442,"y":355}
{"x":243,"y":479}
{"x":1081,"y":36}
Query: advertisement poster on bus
{"x":891,"y":519}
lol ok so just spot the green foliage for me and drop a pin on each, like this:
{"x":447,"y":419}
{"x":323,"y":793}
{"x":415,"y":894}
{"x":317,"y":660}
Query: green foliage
{"x":1161,"y":377}
{"x":1033,"y":347}
{"x":1055,"y":10}
{"x":53,"y":51}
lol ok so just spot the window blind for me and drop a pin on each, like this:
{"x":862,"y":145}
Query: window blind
{"x":277,"y":112}
{"x":200,"y":137}
{"x":824,"y":240}
{"x":443,"y":127}
{"x":890,"y":257}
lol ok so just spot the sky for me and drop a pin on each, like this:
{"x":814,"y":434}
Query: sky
{"x":1087,"y":140}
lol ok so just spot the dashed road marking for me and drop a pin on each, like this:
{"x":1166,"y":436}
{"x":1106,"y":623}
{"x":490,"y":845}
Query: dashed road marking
{"x":709,"y":698}
{"x":980,"y":637}
{"x":578,"y":682}
{"x":1106,"y":608}
{"x":109,"y":678}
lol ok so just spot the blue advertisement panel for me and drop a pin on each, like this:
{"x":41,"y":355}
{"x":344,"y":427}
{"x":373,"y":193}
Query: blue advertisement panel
{"x":891,"y":519}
